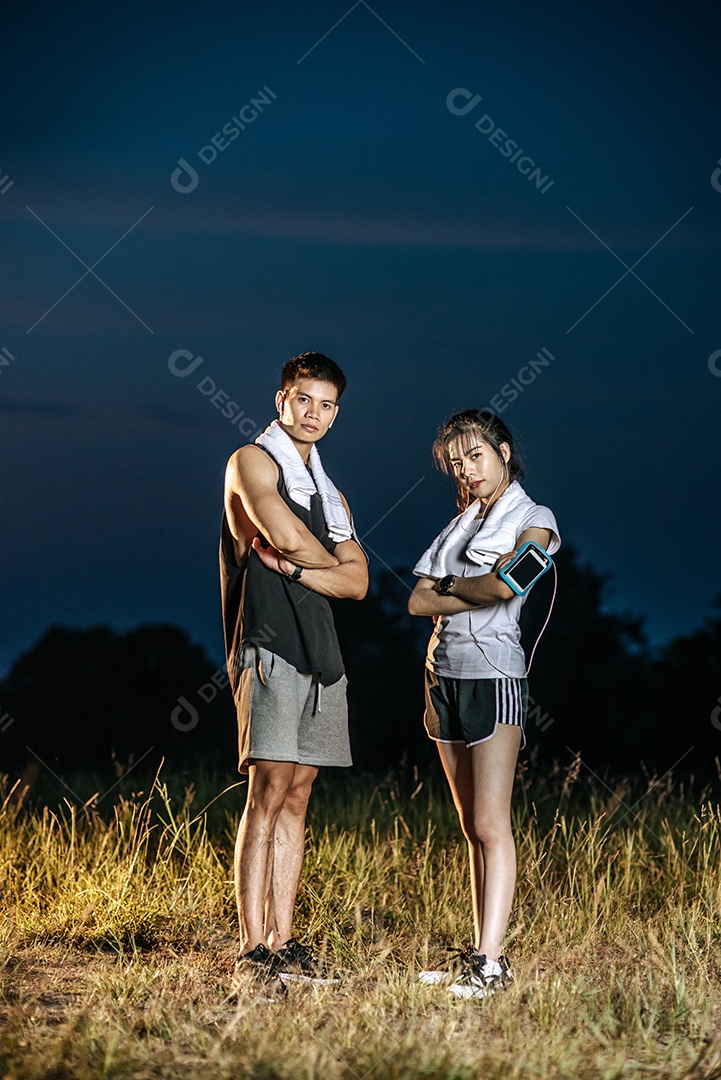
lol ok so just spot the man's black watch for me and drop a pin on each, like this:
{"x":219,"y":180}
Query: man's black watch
{"x":445,"y":585}
{"x":295,"y":576}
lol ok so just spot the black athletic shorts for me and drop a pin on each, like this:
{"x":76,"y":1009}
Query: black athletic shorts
{"x":468,"y":710}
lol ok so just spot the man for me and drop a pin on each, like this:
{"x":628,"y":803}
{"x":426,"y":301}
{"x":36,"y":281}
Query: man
{"x":287,"y":543}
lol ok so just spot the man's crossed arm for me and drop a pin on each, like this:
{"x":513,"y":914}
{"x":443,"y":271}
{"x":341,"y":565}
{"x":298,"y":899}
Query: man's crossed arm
{"x":254,"y":506}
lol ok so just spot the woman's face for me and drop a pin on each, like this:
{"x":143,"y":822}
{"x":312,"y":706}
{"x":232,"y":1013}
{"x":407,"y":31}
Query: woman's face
{"x":477,"y":467}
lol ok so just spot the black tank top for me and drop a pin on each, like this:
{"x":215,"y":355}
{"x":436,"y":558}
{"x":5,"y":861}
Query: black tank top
{"x":264,"y":607}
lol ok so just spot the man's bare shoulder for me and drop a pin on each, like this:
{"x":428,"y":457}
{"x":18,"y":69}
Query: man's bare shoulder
{"x":250,"y":463}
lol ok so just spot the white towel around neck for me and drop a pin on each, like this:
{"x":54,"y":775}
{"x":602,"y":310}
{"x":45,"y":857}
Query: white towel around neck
{"x":482,"y":541}
{"x":302,"y":484}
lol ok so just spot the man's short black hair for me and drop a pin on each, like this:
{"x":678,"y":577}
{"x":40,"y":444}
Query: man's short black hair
{"x":312,"y":365}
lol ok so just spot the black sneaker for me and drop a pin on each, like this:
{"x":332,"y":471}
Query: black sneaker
{"x":298,"y":963}
{"x":257,"y":973}
{"x":482,"y":978}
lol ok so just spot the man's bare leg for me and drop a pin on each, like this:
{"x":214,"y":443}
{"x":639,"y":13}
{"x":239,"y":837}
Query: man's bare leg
{"x":287,"y":860}
{"x":268,"y":785}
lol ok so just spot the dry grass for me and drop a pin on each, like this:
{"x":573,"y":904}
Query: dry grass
{"x":118,"y":938}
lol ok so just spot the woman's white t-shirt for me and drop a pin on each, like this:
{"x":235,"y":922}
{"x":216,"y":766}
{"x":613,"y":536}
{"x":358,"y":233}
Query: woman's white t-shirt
{"x":484,"y":643}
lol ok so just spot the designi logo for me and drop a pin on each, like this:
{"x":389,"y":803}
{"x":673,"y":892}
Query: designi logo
{"x":497,"y":137}
{"x":716,"y":177}
{"x":185,"y":178}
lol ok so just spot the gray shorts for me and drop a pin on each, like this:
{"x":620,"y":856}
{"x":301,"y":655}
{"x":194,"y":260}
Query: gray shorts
{"x":285,"y":715}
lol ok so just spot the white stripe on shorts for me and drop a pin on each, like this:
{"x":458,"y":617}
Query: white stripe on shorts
{"x":509,"y":702}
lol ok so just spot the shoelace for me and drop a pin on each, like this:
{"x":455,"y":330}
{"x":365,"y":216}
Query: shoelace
{"x":260,"y":956}
{"x":471,"y":964}
{"x":462,"y":958}
{"x":294,"y":952}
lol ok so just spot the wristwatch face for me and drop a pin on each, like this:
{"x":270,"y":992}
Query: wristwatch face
{"x":445,"y":584}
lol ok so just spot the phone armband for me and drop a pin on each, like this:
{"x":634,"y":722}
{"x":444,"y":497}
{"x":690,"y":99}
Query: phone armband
{"x":529,"y":564}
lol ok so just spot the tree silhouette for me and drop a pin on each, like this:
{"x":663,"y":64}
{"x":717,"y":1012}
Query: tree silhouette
{"x":589,"y":682}
{"x":687,"y":697}
{"x":83,"y":699}
{"x":590,"y":678}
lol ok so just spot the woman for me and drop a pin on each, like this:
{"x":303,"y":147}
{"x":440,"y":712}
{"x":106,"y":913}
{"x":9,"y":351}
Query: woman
{"x":476,"y":690}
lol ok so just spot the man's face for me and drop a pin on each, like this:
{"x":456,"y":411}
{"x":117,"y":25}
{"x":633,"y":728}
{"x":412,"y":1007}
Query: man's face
{"x":307,"y":409}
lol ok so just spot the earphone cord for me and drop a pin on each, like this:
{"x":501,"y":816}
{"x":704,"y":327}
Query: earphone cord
{"x":487,"y":507}
{"x":470,"y":613}
{"x":533,"y":650}
{"x":550,"y":609}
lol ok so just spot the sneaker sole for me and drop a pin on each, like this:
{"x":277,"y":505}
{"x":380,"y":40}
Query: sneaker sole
{"x":236,"y":996}
{"x":263,"y":993}
{"x":294,"y":977}
{"x":435,"y":978}
{"x":469,"y":992}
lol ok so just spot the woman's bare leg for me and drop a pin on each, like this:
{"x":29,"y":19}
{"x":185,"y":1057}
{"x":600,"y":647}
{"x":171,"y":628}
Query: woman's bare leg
{"x":481,"y":782}
{"x":494,"y":768}
{"x":457,"y":762}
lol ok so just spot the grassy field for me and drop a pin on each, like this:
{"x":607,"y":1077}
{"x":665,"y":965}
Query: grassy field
{"x":118,"y":937}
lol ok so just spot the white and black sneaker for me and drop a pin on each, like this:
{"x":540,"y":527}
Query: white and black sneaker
{"x":297,"y":962}
{"x":458,"y":963}
{"x":482,"y":978}
{"x":470,"y":975}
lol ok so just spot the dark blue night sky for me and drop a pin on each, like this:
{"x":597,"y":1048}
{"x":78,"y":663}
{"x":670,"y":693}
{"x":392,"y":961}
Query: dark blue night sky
{"x":358,"y":215}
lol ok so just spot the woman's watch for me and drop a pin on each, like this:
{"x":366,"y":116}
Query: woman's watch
{"x":295,"y":576}
{"x":445,"y":585}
